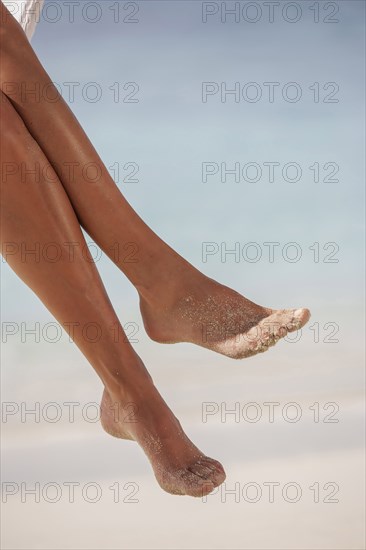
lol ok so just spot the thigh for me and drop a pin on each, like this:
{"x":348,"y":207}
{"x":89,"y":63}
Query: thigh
{"x":29,"y":184}
{"x":41,"y":238}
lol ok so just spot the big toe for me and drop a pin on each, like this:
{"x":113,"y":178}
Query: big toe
{"x":218,"y":474}
{"x":298,"y":318}
{"x":196,"y":483}
{"x":201,"y":478}
{"x":209,"y":470}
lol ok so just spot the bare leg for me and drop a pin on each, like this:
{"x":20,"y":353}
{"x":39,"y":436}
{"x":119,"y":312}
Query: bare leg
{"x":34,"y":213}
{"x":178,"y":303}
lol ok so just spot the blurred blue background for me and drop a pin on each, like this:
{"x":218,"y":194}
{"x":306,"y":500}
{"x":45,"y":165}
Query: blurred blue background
{"x":169,"y":132}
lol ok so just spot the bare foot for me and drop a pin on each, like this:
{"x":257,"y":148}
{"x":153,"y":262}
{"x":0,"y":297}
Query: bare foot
{"x":218,"y":318}
{"x":142,"y":415}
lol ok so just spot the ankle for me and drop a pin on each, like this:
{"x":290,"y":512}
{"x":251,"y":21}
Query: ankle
{"x":128,"y":378}
{"x":170,"y":285}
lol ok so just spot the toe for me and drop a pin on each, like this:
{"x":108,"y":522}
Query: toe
{"x":218,"y":474}
{"x":299,"y":317}
{"x":303,"y":315}
{"x":201,"y":471}
{"x":209,"y":470}
{"x":196,"y":486}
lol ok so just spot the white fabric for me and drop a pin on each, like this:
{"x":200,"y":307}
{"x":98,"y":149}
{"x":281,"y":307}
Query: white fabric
{"x":26,"y":12}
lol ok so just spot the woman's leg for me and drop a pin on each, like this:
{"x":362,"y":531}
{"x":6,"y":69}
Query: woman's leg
{"x":178,"y":303}
{"x":43,"y":243}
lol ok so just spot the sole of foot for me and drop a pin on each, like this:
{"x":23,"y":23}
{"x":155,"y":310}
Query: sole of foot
{"x":262,"y":336}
